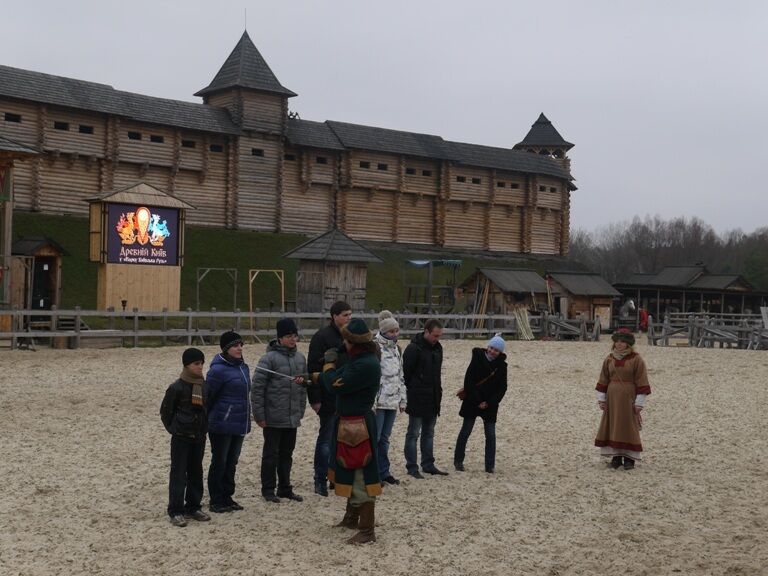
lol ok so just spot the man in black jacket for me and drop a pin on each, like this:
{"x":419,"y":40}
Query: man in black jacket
{"x":422,"y":362}
{"x":321,"y":401}
{"x":183,"y":415}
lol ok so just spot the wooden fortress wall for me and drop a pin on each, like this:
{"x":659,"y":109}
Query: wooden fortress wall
{"x":259,"y":182}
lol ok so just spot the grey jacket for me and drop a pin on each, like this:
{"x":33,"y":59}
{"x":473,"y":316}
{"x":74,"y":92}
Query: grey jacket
{"x":391,"y":394}
{"x":278,"y":400}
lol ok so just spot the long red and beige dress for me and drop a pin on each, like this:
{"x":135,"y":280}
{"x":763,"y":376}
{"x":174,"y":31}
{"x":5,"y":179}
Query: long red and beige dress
{"x":623,"y":384}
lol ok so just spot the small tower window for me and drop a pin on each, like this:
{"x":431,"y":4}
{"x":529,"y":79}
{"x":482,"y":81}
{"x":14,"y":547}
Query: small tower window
{"x":364,"y":164}
{"x":476,"y":181}
{"x":156,"y":138}
{"x":410,"y":171}
{"x":542,"y":188}
{"x":426,"y":172}
{"x":134,"y":135}
{"x":216,"y":148}
{"x":83,"y":129}
{"x":257,"y":152}
{"x":61,"y":125}
{"x":552,"y":189}
{"x":383,"y":166}
{"x":321,"y":159}
{"x":514,"y":185}
{"x":289,"y":157}
{"x":500,"y":184}
{"x":188,"y":144}
{"x":461,"y":178}
{"x":11,"y":117}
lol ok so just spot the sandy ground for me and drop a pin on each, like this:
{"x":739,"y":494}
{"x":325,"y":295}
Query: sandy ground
{"x":84,"y":464}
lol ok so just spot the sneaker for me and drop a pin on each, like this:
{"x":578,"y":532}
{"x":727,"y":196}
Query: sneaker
{"x":234,"y":506}
{"x":198,"y":515}
{"x":178,"y":520}
{"x":436,"y":472}
{"x":271,"y":498}
{"x":416,"y":474}
{"x":219,"y":508}
{"x":291,"y":496}
{"x":615,"y":462}
{"x":629,"y":464}
{"x":459,"y":466}
{"x":390,"y":480}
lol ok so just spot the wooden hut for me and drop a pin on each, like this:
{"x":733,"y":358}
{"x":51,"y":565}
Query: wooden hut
{"x":35,"y":273}
{"x":331,"y":267}
{"x":11,"y":153}
{"x":137,"y":237}
{"x":500,"y":290}
{"x":583,"y":295}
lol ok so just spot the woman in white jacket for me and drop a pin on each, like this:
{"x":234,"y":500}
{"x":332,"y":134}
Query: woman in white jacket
{"x":391,"y":396}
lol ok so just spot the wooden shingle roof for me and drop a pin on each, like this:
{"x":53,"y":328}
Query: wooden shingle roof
{"x":14,"y":148}
{"x":510,"y":280}
{"x":720,"y":282}
{"x":584,"y":284}
{"x":29,"y":246}
{"x":543,"y":133}
{"x":94,"y":97}
{"x":141,"y":193}
{"x":333,"y":246}
{"x":245,"y":68}
{"x":312,"y":134}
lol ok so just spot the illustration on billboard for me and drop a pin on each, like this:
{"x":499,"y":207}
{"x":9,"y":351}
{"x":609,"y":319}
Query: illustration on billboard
{"x":142,"y":235}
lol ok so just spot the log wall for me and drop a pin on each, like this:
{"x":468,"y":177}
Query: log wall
{"x":257,"y":183}
{"x":262,"y":111}
{"x":306,"y":207}
{"x":117,"y":282}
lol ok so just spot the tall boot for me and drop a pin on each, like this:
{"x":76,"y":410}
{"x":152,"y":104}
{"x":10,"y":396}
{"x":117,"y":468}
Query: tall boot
{"x":351,"y":517}
{"x":366,"y":524}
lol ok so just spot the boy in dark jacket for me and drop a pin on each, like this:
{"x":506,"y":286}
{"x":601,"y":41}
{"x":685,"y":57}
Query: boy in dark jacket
{"x":183,"y":415}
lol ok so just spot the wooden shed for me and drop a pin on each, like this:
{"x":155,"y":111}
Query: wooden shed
{"x":137,"y":237}
{"x":35,"y":273}
{"x":501,"y":290}
{"x":332,"y":267}
{"x":583,"y":295}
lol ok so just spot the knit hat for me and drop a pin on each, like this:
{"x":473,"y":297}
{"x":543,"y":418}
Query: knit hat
{"x":356,"y":332}
{"x":497,"y":342}
{"x":623,"y":335}
{"x":285,"y":327}
{"x":191,"y":355}
{"x":229,"y":339}
{"x":387,"y":322}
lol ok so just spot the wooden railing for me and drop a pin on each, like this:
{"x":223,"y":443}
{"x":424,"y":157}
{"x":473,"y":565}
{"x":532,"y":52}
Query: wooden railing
{"x":746,"y":331}
{"x":29,"y":327}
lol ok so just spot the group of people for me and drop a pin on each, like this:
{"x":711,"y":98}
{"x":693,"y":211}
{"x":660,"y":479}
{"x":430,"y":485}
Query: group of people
{"x":356,"y":382}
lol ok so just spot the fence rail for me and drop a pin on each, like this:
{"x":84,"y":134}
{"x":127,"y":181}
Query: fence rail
{"x":71,"y":328}
{"x":746,"y":331}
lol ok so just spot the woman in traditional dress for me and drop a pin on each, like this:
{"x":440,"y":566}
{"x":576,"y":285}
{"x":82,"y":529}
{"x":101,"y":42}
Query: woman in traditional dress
{"x":621,"y":393}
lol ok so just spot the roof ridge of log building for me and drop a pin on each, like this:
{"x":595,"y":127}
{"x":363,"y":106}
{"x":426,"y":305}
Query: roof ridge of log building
{"x":244,"y":161}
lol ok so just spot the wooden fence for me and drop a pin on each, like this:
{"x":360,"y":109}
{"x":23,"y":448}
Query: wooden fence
{"x":73,"y":328}
{"x":745,"y":331}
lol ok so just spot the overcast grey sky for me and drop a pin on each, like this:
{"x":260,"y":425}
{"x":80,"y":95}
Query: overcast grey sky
{"x":665,"y":100}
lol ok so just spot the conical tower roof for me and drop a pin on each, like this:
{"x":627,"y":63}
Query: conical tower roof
{"x":542,"y":133}
{"x":246,"y":68}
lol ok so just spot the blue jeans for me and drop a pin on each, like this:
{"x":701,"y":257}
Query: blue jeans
{"x":385,"y":420}
{"x":490,"y":442}
{"x":323,"y":446}
{"x":225,"y":452}
{"x":424,"y":426}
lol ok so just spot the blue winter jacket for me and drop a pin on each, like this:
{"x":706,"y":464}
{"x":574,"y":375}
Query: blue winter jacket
{"x":228,"y":388}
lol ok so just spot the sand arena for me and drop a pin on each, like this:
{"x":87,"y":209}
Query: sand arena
{"x":85,"y":463}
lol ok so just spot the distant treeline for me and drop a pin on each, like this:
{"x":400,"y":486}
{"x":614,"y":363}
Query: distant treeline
{"x":649,"y":244}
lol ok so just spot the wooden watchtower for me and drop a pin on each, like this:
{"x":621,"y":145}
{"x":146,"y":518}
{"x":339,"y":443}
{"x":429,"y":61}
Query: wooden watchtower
{"x":137,"y":237}
{"x":332,"y":267}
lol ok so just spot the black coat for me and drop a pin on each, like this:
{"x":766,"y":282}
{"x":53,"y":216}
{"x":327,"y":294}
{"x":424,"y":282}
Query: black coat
{"x":492,"y":377}
{"x":422,"y":363}
{"x":180,"y":417}
{"x":323,"y":340}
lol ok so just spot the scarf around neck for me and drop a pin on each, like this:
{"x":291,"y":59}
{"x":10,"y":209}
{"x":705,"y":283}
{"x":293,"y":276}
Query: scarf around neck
{"x":623,"y":354}
{"x":197,"y":385}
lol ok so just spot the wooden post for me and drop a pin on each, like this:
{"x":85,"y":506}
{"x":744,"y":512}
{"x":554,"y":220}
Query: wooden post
{"x":77,"y":327}
{"x":111,"y":319}
{"x":54,"y":317}
{"x":189,"y":326}
{"x":135,"y":327}
{"x":165,"y":325}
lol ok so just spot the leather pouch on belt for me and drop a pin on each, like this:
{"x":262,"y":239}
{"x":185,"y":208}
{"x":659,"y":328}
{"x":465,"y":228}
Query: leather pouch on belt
{"x":353,"y":443}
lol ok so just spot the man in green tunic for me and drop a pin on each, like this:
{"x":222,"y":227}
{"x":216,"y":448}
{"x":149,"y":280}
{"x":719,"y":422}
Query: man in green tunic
{"x":353,"y":465}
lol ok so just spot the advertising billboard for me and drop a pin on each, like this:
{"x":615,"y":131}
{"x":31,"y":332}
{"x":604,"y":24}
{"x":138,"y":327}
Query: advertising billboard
{"x":142,"y":235}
